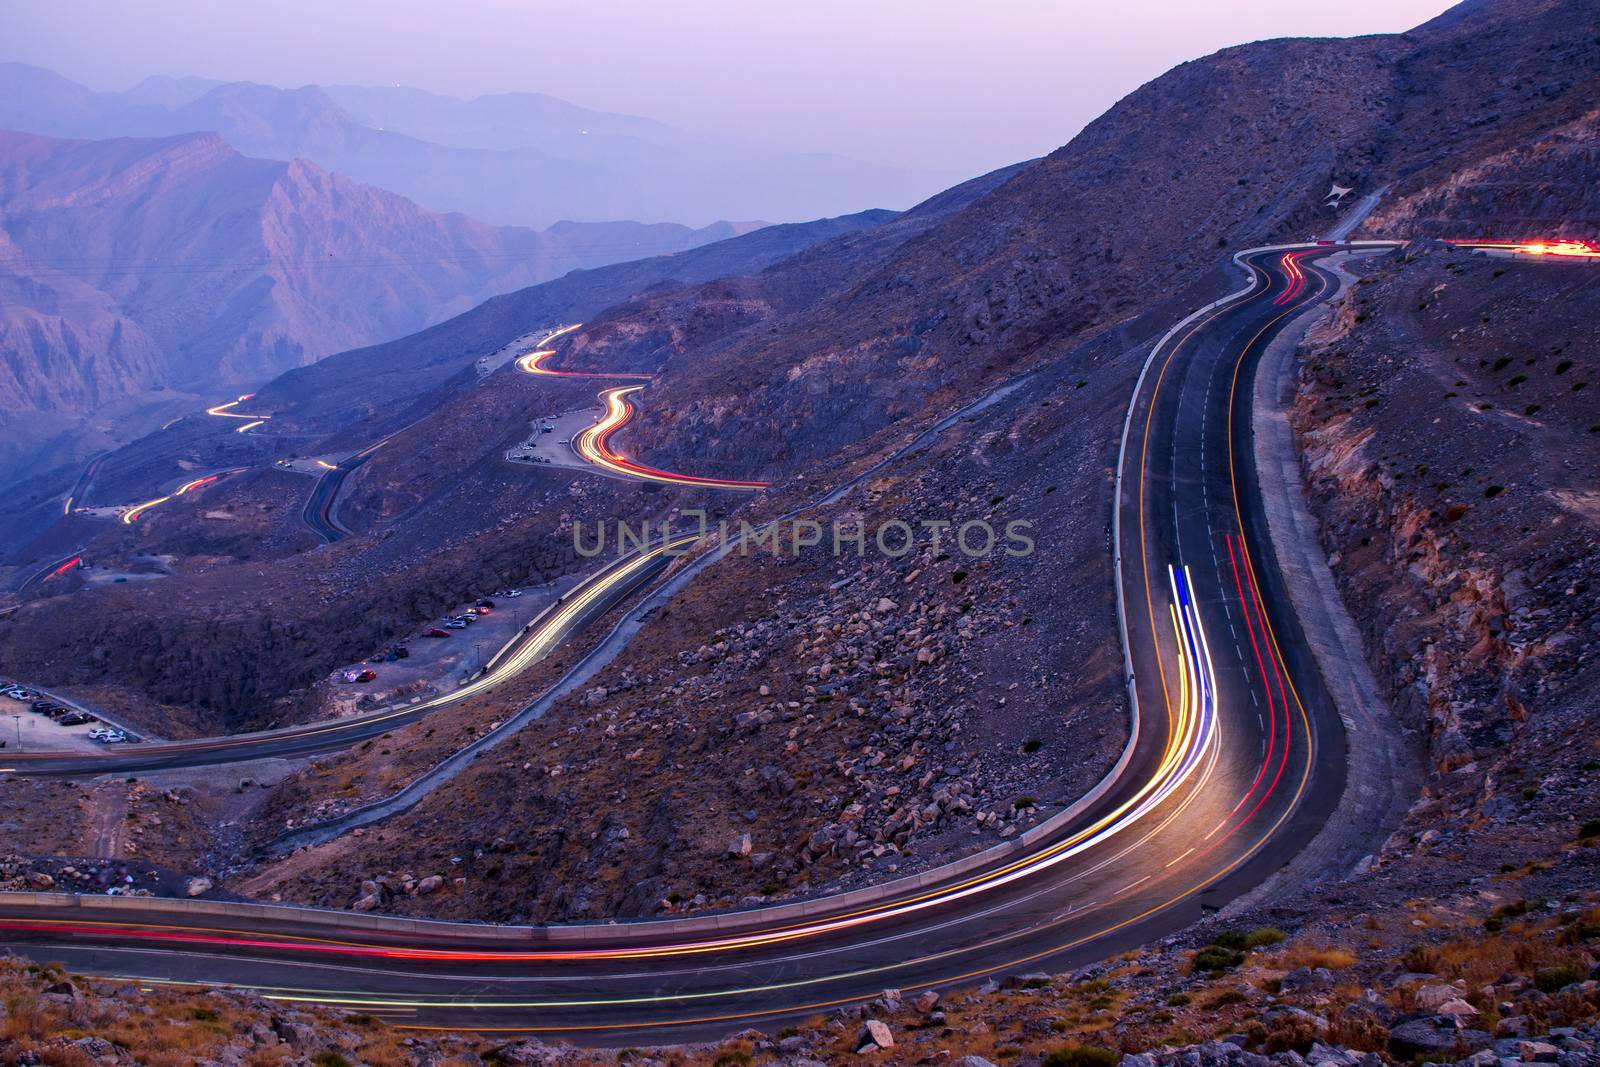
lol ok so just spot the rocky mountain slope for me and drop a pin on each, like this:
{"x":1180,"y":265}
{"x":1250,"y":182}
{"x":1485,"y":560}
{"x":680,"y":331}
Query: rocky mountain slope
{"x":514,"y":158}
{"x":1220,"y":153}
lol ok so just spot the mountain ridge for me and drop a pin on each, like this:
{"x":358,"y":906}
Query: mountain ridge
{"x":524,"y":164}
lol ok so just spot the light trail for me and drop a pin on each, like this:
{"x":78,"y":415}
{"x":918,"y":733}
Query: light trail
{"x":516,"y":655}
{"x":131,"y":515}
{"x":63,"y":568}
{"x":1195,"y":739}
{"x":593,"y":444}
{"x":225,"y":411}
{"x":533,"y":362}
{"x":1560,"y":248}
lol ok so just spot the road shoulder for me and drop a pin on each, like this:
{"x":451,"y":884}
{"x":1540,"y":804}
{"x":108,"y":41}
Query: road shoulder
{"x":1383,"y":773}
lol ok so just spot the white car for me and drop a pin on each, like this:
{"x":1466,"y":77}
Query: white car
{"x":108,"y":737}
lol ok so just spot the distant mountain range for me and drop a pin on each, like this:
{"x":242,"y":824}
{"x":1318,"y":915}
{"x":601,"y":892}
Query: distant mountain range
{"x":133,"y":268}
{"x":513,"y":158}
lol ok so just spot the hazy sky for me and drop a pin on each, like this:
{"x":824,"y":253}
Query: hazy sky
{"x":962,"y":86}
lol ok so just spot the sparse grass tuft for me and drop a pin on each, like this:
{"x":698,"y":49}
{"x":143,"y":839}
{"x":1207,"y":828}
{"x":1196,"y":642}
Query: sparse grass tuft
{"x":1081,"y":1056}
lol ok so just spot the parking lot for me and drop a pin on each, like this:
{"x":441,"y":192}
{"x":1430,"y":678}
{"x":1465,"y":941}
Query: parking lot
{"x":435,"y":665}
{"x":25,"y":730}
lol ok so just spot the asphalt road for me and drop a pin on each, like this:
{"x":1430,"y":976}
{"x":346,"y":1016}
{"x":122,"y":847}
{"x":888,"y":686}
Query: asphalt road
{"x":320,"y":512}
{"x":1237,"y":760}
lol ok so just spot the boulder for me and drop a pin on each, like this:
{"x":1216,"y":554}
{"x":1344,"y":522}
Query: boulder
{"x":1434,"y":994}
{"x":1322,"y":1055}
{"x":1035,"y":980}
{"x":1436,"y":1037}
{"x":196,"y":886}
{"x":1537,"y":1052}
{"x":294,"y":1033}
{"x":875,"y":1034}
{"x":430,"y":884}
{"x":1308,"y":978}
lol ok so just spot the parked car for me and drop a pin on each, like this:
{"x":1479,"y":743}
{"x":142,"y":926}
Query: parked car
{"x":437,"y":632}
{"x":366,"y":676}
{"x":507,"y":594}
{"x":485,"y":603}
{"x":401,"y":652}
{"x":455,"y":624}
{"x":108,"y":737}
{"x":76,"y":718}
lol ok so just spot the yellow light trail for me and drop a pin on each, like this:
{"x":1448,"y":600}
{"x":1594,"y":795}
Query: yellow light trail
{"x":131,"y":516}
{"x":592,"y":444}
{"x":225,"y":411}
{"x":1575,"y":249}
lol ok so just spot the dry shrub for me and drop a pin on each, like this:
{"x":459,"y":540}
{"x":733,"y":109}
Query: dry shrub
{"x":1329,"y":956}
{"x":1283,"y":1035}
{"x":1355,"y":1027}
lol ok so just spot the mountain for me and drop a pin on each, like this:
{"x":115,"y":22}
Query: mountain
{"x":515,"y":158}
{"x":137,"y":265}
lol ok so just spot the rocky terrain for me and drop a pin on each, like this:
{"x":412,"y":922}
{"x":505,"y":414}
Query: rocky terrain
{"x":1475,"y":529}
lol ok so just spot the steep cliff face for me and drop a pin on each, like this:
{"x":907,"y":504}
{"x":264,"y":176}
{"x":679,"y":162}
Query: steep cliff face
{"x":1542,"y":189}
{"x":1450,"y":440}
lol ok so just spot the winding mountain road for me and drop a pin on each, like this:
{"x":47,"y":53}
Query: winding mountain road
{"x":593,"y":444}
{"x":1235,"y":760}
